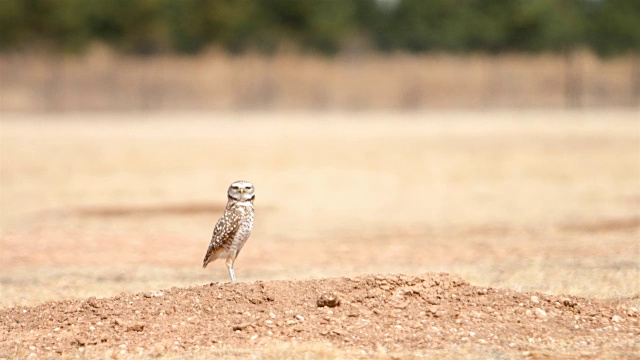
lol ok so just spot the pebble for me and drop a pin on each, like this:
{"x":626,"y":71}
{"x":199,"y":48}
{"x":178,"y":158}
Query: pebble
{"x":328,"y":300}
{"x":136,"y":327}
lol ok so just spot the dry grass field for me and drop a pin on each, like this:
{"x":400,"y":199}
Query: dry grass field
{"x":96,"y":204}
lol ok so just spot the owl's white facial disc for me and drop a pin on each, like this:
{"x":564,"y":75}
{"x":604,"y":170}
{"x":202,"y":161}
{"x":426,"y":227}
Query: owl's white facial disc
{"x":241,"y":191}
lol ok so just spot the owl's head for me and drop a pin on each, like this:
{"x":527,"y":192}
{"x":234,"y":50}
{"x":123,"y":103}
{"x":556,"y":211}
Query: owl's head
{"x":241,"y":191}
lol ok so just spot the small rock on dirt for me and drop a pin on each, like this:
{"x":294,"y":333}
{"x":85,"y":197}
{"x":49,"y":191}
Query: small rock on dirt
{"x":240,"y":327}
{"x":135,"y":327}
{"x":92,"y":302}
{"x":540,"y":313}
{"x":568,"y":302}
{"x":328,"y":300}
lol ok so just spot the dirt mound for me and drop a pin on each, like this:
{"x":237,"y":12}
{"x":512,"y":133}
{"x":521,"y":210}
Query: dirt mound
{"x":374,"y":313}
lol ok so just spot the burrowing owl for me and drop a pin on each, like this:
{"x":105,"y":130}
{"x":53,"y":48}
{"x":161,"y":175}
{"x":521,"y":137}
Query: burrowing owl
{"x":234,"y":227}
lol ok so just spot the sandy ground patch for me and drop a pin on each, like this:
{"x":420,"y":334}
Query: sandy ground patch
{"x":97,"y":204}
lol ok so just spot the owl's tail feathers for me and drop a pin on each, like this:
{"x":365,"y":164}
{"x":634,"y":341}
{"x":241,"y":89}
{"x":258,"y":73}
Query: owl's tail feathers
{"x":206,"y":261}
{"x":207,"y":258}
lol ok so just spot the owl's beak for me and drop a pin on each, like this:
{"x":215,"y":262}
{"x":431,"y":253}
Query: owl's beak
{"x":241,"y":190}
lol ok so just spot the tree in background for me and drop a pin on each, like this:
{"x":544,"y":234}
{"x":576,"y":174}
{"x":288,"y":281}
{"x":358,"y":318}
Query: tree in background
{"x":609,"y":27}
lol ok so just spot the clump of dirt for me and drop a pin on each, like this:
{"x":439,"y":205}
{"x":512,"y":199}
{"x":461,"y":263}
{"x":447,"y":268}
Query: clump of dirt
{"x":396,"y":313}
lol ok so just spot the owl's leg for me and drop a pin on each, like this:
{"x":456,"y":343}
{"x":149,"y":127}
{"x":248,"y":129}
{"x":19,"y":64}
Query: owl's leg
{"x":229,"y":264}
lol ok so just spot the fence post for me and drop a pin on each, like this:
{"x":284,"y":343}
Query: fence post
{"x":635,"y":79}
{"x":572,"y":80}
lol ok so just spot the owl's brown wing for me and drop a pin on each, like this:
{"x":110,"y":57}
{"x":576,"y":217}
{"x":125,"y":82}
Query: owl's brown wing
{"x":225,"y":230}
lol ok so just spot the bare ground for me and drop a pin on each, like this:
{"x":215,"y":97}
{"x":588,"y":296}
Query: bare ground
{"x":514,"y":202}
{"x":366,"y":315}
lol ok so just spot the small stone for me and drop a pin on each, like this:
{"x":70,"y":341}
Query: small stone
{"x":92,"y":302}
{"x":540,"y":313}
{"x":328,"y":300}
{"x":136,"y":327}
{"x":240,"y":327}
{"x":534,"y":299}
{"x":300,"y":317}
{"x":568,"y":302}
{"x":616,"y":318}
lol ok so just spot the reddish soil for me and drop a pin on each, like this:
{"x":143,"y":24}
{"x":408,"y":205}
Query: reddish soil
{"x":393,"y":313}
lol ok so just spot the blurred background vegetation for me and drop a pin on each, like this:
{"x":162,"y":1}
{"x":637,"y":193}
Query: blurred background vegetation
{"x":145,"y":27}
{"x":67,"y":55}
